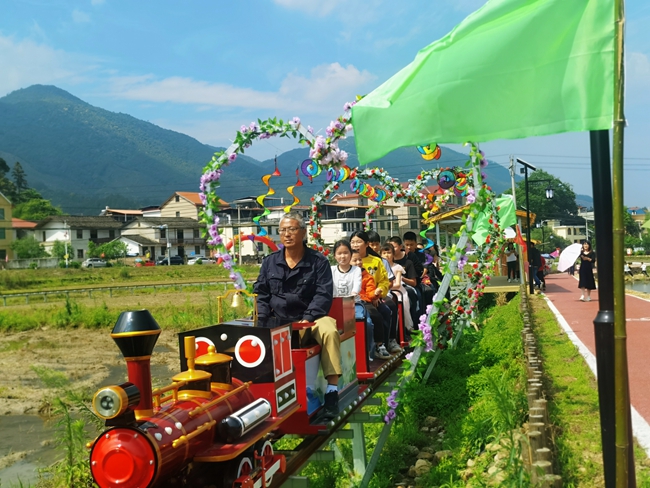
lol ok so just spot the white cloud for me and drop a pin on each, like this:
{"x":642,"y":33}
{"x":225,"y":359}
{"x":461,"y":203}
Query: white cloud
{"x":27,"y":62}
{"x":638,"y":68}
{"x":316,"y":7}
{"x":314,"y":93}
{"x":80,"y":17}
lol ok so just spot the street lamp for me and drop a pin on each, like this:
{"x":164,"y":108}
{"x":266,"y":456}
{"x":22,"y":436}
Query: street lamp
{"x":169,"y":244}
{"x":541,"y":225}
{"x":549,"y":195}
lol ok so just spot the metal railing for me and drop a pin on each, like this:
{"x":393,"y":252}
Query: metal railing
{"x":110,"y":289}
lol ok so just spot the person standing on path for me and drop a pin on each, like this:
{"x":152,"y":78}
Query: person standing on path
{"x":511,"y":260}
{"x":586,"y":272}
{"x":534,"y":262}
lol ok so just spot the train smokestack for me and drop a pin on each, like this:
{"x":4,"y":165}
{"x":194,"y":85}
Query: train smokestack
{"x":136,"y":333}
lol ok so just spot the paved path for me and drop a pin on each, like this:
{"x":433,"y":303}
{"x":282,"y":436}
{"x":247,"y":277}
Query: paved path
{"x":563,"y":294}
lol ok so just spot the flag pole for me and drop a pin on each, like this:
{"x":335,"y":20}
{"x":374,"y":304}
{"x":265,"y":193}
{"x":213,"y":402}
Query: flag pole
{"x":624,"y":452}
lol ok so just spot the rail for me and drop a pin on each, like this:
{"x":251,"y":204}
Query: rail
{"x":110,"y":289}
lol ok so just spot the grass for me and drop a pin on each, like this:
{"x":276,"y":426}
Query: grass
{"x":573,"y":406}
{"x":477,"y":393}
{"x":29,"y":280}
{"x":178,"y":310}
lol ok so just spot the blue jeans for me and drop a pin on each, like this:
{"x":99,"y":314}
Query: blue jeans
{"x":361,"y":314}
{"x":533,"y":270}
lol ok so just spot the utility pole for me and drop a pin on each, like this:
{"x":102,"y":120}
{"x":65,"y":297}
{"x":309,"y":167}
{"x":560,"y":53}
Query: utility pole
{"x":514,"y":198}
{"x":65,"y":241}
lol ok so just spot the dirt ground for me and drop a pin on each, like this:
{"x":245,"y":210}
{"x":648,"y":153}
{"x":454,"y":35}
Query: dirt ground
{"x":88,"y":358}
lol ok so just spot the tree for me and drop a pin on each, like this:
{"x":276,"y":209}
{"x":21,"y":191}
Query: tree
{"x":112,"y":250}
{"x":28,"y":248}
{"x":58,"y":250}
{"x":563,"y":204}
{"x":631,"y":226}
{"x":38,"y":209}
{"x":20,"y":178}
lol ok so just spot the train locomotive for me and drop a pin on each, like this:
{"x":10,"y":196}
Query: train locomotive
{"x":240,"y":387}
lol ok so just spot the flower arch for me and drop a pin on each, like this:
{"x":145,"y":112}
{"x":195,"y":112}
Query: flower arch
{"x":324,"y":154}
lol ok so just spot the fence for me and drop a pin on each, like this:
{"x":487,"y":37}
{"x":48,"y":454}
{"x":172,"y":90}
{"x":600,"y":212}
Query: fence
{"x":26,"y":263}
{"x":110,"y":289}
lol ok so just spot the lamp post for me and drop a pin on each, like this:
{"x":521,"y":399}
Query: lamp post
{"x":169,"y":244}
{"x":549,"y":195}
{"x":541,"y":225}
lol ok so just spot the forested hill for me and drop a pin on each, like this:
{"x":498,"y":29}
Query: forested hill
{"x":74,"y":152}
{"x":84,"y":158}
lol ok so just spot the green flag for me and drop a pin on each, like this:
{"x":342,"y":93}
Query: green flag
{"x":512,"y":69}
{"x":507,"y":217}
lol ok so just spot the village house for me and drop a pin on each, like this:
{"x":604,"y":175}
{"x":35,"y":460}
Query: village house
{"x":77,"y":231}
{"x":162,"y":236}
{"x":6,"y":233}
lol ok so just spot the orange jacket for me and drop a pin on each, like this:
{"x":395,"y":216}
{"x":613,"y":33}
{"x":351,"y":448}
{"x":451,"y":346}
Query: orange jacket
{"x":368,"y":287}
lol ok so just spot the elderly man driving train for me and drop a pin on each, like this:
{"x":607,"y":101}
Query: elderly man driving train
{"x":295,"y":285}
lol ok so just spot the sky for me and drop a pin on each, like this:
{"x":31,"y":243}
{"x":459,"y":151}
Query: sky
{"x":204,"y":68}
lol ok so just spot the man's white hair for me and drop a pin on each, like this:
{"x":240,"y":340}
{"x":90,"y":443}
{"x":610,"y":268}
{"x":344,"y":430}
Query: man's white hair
{"x":294,"y":216}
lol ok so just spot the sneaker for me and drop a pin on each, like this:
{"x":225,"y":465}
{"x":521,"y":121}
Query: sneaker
{"x":588,"y":299}
{"x":381,"y":352}
{"x":509,"y":280}
{"x":331,"y":406}
{"x":393,"y":347}
{"x":582,"y":298}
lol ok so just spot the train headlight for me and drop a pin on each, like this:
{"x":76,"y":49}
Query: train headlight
{"x":112,"y":401}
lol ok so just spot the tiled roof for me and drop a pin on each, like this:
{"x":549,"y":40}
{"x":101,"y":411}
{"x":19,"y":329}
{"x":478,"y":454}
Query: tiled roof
{"x":123,"y":212}
{"x":172,"y":222}
{"x":22,"y":224}
{"x":140,"y":239}
{"x":98,"y":222}
{"x":195,"y":199}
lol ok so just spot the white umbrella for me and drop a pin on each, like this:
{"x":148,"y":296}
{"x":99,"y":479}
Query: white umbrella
{"x":568,"y":256}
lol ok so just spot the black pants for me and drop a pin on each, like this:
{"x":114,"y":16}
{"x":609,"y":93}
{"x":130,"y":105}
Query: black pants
{"x":388,"y":310}
{"x":377,"y":321}
{"x":512,"y":269}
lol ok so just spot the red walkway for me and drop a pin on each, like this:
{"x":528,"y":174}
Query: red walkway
{"x":563,"y":293}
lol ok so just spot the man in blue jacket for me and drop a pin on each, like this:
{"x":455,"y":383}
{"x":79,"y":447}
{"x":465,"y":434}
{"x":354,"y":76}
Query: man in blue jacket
{"x":295,"y":285}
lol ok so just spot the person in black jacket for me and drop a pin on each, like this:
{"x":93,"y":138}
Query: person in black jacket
{"x":534,"y":261}
{"x":295,"y":285}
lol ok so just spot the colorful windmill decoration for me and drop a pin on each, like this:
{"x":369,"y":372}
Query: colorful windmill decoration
{"x":296,"y":200}
{"x":310,"y":169}
{"x":430,"y":152}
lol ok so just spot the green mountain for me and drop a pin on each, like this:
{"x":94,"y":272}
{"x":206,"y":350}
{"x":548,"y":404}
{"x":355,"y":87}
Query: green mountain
{"x":84,"y":158}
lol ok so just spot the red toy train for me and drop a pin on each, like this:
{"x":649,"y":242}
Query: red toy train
{"x":220,"y":413}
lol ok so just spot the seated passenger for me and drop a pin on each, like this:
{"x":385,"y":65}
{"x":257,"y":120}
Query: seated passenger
{"x":295,"y":285}
{"x":347,"y":283}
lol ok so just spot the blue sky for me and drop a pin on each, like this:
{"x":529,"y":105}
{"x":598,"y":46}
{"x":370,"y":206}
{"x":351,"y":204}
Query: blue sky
{"x":204,"y":67}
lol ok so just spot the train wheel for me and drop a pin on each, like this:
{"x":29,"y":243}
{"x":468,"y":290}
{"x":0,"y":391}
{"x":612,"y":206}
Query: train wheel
{"x":236,"y":468}
{"x":267,"y":452}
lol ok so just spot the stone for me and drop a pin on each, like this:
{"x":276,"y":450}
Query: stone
{"x":492,"y":447}
{"x":424,"y":429}
{"x":422,"y":467}
{"x":492,"y":469}
{"x":411,"y":472}
{"x":466,"y":474}
{"x":412,"y":450}
{"x":471,"y":463}
{"x":440,"y":455}
{"x":429,"y":449}
{"x":430,"y":421}
{"x":425,"y":455}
